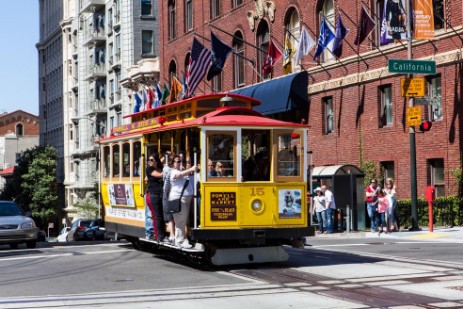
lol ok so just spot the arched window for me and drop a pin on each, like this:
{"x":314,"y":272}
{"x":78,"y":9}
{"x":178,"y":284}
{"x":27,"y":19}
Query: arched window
{"x":188,"y":15}
{"x":238,"y":59}
{"x":171,"y":19}
{"x":327,"y":11}
{"x":19,"y":129}
{"x":263,"y":38}
{"x":172,"y":71}
{"x":293,"y":25}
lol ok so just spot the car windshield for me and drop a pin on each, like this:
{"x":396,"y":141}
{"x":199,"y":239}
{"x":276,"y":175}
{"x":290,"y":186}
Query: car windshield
{"x":9,"y":209}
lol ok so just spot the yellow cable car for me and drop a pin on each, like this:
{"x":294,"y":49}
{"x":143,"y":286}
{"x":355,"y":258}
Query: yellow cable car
{"x":251,"y":189}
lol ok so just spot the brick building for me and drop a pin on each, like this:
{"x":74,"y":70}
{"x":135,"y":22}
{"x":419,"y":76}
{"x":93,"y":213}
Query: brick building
{"x":354,"y":104}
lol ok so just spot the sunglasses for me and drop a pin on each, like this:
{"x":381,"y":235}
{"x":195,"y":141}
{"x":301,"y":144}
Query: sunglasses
{"x":150,"y":160}
{"x":177,"y":161}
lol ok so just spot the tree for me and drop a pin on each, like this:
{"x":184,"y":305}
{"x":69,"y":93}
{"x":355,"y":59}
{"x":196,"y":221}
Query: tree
{"x":86,"y":207}
{"x":37,"y":170}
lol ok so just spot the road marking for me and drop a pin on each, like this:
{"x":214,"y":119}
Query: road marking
{"x":35,"y":257}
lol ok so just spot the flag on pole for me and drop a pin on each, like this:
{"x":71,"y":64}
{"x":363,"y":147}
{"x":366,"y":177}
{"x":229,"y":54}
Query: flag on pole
{"x":288,"y":55}
{"x":366,"y":26}
{"x":200,"y":59}
{"x":151,"y":97}
{"x":138,"y":102}
{"x":306,"y":43}
{"x":165,"y":94}
{"x":144,"y":103}
{"x":325,"y":37}
{"x":219,"y":54}
{"x":157,"y":96}
{"x":184,"y":88}
{"x":273,"y":55}
{"x":340,"y":34}
{"x":175,"y":89}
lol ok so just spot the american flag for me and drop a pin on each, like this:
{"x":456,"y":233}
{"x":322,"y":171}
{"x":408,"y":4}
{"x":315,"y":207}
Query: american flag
{"x":200,"y":58}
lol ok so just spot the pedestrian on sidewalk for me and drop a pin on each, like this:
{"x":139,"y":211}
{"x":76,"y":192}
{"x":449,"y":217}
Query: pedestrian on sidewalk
{"x":392,"y":203}
{"x":370,"y":193}
{"x":382,"y":203}
{"x":320,"y":210}
{"x":330,"y":209}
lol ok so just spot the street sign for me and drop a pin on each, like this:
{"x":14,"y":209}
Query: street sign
{"x":411,"y":66}
{"x":412,"y":87}
{"x":414,"y":116}
{"x":428,"y":101}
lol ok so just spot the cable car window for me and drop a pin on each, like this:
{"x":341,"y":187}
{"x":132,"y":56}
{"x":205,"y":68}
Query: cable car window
{"x":106,"y":161}
{"x":288,"y":150}
{"x":221,"y":155}
{"x":126,"y":160}
{"x":255,"y":152}
{"x":116,"y":156}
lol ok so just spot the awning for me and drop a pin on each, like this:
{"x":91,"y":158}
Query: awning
{"x":280,"y":94}
{"x":331,"y":170}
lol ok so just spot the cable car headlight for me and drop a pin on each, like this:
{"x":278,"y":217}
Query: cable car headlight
{"x":257,"y":205}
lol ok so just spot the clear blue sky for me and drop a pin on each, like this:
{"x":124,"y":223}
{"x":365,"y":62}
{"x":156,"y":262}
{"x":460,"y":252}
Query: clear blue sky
{"x":19,"y":21}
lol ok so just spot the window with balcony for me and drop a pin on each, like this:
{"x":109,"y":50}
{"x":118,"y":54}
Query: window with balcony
{"x":385,"y":107}
{"x":238,"y":59}
{"x":147,"y":43}
{"x":328,"y":115}
{"x":171,"y":19}
{"x":188,"y":15}
{"x":436,"y":176}
{"x":146,"y":7}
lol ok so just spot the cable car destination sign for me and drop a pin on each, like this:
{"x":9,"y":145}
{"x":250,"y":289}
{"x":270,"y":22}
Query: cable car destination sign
{"x":411,"y":66}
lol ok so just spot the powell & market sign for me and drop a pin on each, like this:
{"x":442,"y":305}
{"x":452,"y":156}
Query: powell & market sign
{"x":411,"y":66}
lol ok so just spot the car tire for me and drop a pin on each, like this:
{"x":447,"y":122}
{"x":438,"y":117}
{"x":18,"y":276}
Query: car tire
{"x":31,"y":244}
{"x":14,"y":246}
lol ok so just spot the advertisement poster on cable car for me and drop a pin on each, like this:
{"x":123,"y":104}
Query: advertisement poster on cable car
{"x":121,"y":194}
{"x":289,"y":203}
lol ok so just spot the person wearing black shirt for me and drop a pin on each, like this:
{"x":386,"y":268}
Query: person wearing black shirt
{"x":153,"y":196}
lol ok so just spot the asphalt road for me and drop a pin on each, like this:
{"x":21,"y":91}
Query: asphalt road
{"x":329,"y":273}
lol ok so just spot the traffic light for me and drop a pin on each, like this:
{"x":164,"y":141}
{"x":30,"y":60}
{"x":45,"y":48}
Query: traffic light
{"x":425,"y":126}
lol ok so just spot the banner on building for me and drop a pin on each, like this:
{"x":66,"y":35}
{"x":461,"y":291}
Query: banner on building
{"x":424,"y":19}
{"x":393,"y":22}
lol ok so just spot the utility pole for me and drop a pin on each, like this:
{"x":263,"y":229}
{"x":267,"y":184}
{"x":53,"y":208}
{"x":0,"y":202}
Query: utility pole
{"x":413,"y":178}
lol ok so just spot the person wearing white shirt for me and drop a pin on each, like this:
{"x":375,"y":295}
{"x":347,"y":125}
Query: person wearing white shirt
{"x":330,"y":208}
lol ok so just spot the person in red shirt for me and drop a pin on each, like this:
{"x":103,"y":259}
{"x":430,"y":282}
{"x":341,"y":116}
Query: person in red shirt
{"x":370,"y":196}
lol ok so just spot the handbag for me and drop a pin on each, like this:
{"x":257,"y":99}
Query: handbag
{"x":174,"y":206}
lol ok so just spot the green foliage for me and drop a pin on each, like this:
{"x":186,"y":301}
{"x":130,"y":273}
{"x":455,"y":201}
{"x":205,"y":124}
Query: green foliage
{"x":33,"y":185}
{"x":369,"y":168}
{"x":447,"y":211}
{"x":458,"y":174}
{"x":86,"y":208}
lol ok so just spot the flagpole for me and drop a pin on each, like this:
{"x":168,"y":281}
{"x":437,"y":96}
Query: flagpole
{"x":368,"y":37}
{"x":237,"y":38}
{"x":252,"y":61}
{"x":358,"y":55}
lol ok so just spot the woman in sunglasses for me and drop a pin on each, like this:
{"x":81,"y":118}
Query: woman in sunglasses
{"x":153,"y":199}
{"x":178,"y":178}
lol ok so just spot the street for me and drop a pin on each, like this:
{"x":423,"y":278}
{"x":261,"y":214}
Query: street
{"x":328,"y":273}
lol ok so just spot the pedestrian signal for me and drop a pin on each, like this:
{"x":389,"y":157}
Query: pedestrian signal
{"x":425,"y":126}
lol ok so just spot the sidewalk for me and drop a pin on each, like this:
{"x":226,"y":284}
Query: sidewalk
{"x":440,"y":233}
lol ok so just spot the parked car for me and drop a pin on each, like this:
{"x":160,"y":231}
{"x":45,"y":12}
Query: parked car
{"x":85,"y":229}
{"x":62,"y":237}
{"x":15,"y":226}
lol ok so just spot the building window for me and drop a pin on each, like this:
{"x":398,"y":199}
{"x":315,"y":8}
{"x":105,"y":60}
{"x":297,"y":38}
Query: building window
{"x":263,"y":39}
{"x":188,"y":15}
{"x":171,"y":19}
{"x":19,"y":130}
{"x":146,"y":7}
{"x":435,"y":91}
{"x":238,"y":60}
{"x":292,"y":31}
{"x":237,"y":2}
{"x":172,"y":71}
{"x":328,"y":115}
{"x":147,"y":42}
{"x":327,"y":12}
{"x":215,"y":8}
{"x":217,"y":83}
{"x":119,"y":118}
{"x":387,"y":170}
{"x":385,"y":109}
{"x":436,"y":173}
{"x":439,"y":14}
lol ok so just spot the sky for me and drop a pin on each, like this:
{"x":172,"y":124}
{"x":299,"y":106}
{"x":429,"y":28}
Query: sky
{"x":19,"y":21}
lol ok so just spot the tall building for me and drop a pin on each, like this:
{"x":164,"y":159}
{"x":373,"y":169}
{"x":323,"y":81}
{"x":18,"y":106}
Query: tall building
{"x":355,"y":104}
{"x":104,"y":42}
{"x":51,"y":84}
